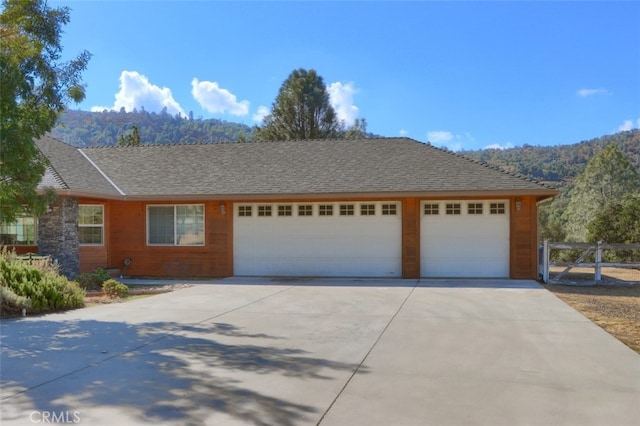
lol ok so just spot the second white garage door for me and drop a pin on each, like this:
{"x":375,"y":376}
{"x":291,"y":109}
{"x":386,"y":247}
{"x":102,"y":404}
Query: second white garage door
{"x":464,"y":239}
{"x":345,"y":239}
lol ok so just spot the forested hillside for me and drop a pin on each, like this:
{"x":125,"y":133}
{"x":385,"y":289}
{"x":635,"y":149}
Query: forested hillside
{"x":558,"y":164}
{"x":84,"y":128}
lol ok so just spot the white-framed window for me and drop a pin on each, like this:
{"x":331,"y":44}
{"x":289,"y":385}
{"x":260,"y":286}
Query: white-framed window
{"x":285,"y":210}
{"x":389,"y":209}
{"x":453,"y":209}
{"x":305,"y":210}
{"x":367,"y":209}
{"x":91,"y":224}
{"x":474,"y":208}
{"x":325,"y":210}
{"x":22,"y":232}
{"x":347,"y":210}
{"x":431,"y":209}
{"x":496,"y":208}
{"x":264,"y":210}
{"x":175,"y":225}
{"x":245,"y":211}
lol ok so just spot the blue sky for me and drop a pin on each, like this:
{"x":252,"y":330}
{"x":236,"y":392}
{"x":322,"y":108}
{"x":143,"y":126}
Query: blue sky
{"x":464,"y":75}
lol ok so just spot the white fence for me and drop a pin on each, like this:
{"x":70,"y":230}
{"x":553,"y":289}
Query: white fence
{"x":551,"y":273}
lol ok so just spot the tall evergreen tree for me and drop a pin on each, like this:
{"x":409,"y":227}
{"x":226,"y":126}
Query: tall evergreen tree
{"x":607,"y":178}
{"x":301,"y":110}
{"x":35,"y":87}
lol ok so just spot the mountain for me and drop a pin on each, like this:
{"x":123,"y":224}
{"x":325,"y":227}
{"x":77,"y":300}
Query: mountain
{"x":558,"y":165}
{"x":84,"y":128}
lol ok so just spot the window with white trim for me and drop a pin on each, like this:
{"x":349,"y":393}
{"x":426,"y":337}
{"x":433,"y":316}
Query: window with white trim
{"x":431,"y":209}
{"x":496,"y":208}
{"x":389,"y":209}
{"x":367,"y":209}
{"x":21,"y":232}
{"x":325,"y":210}
{"x":264,"y":210}
{"x":285,"y":210}
{"x":453,"y":209}
{"x":305,"y":210}
{"x":474,"y":208}
{"x":91,"y":224}
{"x":244,"y":211}
{"x":175,"y":225}
{"x":347,"y":210}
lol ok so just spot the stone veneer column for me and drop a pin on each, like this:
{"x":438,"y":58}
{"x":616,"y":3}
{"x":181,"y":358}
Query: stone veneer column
{"x":58,"y":235}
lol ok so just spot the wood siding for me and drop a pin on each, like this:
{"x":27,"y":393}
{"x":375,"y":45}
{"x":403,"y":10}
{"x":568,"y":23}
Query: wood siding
{"x":128,"y":240}
{"x":524,"y":239}
{"x":411,"y":238}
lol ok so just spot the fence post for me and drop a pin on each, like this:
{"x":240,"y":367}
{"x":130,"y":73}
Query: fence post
{"x":598,"y":274}
{"x":545,"y":262}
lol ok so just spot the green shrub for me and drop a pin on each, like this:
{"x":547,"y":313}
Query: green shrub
{"x":11,"y":304}
{"x":93,"y":280}
{"x":115,"y":289}
{"x":36,"y":288}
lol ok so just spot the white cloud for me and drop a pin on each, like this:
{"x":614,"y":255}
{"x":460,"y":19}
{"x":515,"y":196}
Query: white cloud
{"x":583,"y":93}
{"x":137,"y":92}
{"x":403,"y":132}
{"x":215,"y":99}
{"x":439,"y":136}
{"x":499,"y":146}
{"x":341,"y":97}
{"x":449,"y":140}
{"x":262,"y":112}
{"x":628,"y":125}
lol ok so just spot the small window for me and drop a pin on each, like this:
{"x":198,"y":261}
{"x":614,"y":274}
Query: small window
{"x":22,"y":232}
{"x":453,"y":208}
{"x":367,"y":209}
{"x":496,"y":208}
{"x":346,"y":210}
{"x":325,"y":210}
{"x":264,"y":210}
{"x":474,"y":208}
{"x":91,"y":224}
{"x":431,"y":209}
{"x":305,"y":210}
{"x":285,"y":210}
{"x":389,"y":209}
{"x":175,"y":225}
{"x":244,"y":211}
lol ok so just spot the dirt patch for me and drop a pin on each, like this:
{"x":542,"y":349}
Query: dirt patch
{"x":614,"y":308}
{"x":93,"y":298}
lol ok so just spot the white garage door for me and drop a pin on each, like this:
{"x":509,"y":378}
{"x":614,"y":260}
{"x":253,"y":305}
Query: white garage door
{"x":464,"y":239}
{"x":318,"y":239}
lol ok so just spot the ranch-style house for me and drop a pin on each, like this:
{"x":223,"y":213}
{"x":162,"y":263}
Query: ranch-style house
{"x":384,"y":207}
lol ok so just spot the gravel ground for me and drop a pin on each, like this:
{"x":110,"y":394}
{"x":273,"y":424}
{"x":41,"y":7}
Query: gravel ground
{"x":614,"y":308}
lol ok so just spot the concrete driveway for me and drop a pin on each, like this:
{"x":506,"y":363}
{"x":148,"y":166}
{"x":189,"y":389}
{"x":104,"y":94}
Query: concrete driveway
{"x":324,"y":351}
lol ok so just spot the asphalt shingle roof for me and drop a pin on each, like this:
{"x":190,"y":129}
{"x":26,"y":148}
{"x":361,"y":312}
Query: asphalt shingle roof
{"x":315,"y":167}
{"x":71,"y":170}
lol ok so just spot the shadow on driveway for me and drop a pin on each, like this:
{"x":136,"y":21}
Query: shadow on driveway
{"x":153,"y":372}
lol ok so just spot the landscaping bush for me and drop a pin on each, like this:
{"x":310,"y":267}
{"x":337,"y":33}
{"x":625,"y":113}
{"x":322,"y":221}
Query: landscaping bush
{"x":93,"y":280}
{"x":11,"y":304}
{"x":36,"y":288}
{"x":115,"y":289}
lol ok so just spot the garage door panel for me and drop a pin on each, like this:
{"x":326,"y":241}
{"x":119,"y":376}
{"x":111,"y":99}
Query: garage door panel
{"x":465,"y":245}
{"x":318,"y":245}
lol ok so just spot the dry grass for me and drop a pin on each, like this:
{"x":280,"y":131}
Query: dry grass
{"x":614,"y":308}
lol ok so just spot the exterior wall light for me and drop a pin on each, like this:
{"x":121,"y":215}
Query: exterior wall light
{"x":518,"y":204}
{"x":222,"y":207}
